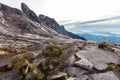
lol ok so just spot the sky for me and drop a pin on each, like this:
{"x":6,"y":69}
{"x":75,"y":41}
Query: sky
{"x":75,"y":10}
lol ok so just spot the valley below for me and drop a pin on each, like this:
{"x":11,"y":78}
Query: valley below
{"x":99,"y":30}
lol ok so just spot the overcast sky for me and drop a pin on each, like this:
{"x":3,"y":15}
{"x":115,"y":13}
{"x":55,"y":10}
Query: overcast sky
{"x":82,"y":10}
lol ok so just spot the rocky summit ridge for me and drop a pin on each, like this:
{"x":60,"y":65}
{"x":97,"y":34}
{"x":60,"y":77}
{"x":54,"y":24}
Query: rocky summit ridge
{"x":38,"y":48}
{"x":48,"y":22}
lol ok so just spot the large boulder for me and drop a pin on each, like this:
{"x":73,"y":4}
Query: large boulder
{"x":84,"y":63}
{"x":98,"y":57}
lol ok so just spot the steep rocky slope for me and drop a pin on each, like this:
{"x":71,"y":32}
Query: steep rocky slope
{"x":48,"y":22}
{"x":31,"y":50}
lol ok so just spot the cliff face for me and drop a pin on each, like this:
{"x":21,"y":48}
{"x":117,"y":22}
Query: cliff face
{"x":48,"y":22}
{"x":31,"y":48}
{"x":14,"y":22}
{"x":29,"y":13}
{"x":58,"y":28}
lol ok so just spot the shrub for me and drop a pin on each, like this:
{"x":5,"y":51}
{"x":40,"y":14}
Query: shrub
{"x":14,"y":49}
{"x":112,"y":66}
{"x":103,"y":44}
{"x":110,"y":48}
{"x":51,"y":66}
{"x":29,"y":56}
{"x":115,"y":45}
{"x":18,"y":61}
{"x":77,"y":58}
{"x":52,"y":50}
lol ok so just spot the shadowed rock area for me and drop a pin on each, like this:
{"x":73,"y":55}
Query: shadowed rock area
{"x":38,"y":48}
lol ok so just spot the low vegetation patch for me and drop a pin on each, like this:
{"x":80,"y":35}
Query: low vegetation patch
{"x":52,"y":50}
{"x":77,"y":58}
{"x":110,"y":48}
{"x":18,"y":61}
{"x":52,"y":64}
{"x":105,"y":45}
{"x":29,"y":56}
{"x":23,"y":62}
{"x":112,"y":66}
{"x":3,"y":52}
{"x":13,"y":49}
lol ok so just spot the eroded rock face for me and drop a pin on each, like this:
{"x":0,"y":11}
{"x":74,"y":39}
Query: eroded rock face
{"x":29,"y":13}
{"x":14,"y":22}
{"x":75,"y":71}
{"x":104,"y":76}
{"x":47,"y":21}
{"x":51,"y":23}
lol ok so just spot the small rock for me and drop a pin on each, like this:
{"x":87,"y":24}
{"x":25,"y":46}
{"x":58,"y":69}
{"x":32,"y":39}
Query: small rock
{"x":82,"y":77}
{"x":84,"y":63}
{"x":71,"y":78}
{"x":101,"y":66}
{"x":60,"y":76}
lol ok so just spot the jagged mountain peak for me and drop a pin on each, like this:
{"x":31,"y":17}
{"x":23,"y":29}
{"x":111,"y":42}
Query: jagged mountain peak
{"x":48,"y":22}
{"x":8,"y":9}
{"x":24,"y":7}
{"x":14,"y":21}
{"x":29,"y":13}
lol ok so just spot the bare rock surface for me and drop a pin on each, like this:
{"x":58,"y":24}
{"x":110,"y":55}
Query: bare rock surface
{"x":99,"y":58}
{"x":104,"y":76}
{"x":75,"y":71}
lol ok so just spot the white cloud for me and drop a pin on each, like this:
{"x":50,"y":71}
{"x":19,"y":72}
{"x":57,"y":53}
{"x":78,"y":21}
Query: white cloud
{"x":106,"y":22}
{"x":70,"y":27}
